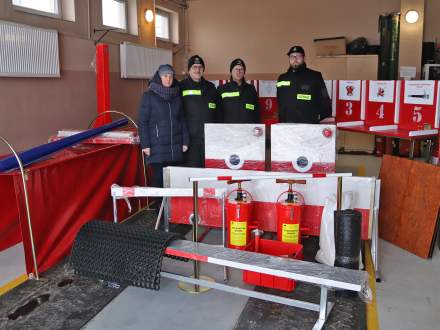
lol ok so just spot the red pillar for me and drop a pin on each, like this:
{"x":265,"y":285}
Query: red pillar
{"x":102,"y":84}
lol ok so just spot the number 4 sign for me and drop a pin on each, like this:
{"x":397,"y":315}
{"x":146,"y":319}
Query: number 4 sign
{"x":382,"y":105}
{"x":350,"y":107}
{"x":419,"y":105}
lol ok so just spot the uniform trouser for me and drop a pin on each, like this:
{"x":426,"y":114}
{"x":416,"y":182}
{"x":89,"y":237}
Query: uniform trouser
{"x":157,"y":175}
{"x":157,"y":180}
{"x":195,"y":155}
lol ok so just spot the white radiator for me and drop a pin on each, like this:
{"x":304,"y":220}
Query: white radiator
{"x":27,"y":51}
{"x":140,"y":62}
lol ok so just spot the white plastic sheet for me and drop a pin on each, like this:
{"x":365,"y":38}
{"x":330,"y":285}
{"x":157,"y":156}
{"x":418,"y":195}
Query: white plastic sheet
{"x":235,"y":146}
{"x":303,"y":148}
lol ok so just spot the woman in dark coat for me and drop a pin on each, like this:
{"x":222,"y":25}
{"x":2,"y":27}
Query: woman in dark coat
{"x":162,"y":128}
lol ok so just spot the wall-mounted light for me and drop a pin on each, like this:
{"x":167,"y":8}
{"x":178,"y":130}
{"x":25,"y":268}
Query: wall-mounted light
{"x":149,"y":15}
{"x":412,"y":16}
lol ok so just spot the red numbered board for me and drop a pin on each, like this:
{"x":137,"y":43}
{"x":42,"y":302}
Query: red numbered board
{"x":382,"y":102}
{"x":419,"y":108}
{"x":349,"y":100}
{"x":267,"y":93}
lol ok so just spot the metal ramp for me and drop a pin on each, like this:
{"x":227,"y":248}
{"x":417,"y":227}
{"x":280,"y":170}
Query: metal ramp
{"x":322,"y":275}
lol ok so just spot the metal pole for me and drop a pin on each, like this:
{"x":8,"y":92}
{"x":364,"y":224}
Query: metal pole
{"x":429,"y":153}
{"x":322,"y":309}
{"x":159,"y":216}
{"x":375,"y":247}
{"x":411,"y":148}
{"x":115,"y":112}
{"x":115,"y":210}
{"x":144,"y":167}
{"x":225,"y":268}
{"x":26,"y":200}
{"x":137,"y":129}
{"x":195,"y":229}
{"x":339,"y":195}
{"x":166,"y":222}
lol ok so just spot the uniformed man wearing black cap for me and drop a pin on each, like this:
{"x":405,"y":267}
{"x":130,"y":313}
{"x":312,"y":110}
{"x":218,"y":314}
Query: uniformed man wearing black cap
{"x":200,"y":107}
{"x":301,"y":92}
{"x":239,"y":100}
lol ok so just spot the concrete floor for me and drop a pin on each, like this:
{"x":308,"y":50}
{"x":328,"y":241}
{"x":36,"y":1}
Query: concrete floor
{"x":12,"y":264}
{"x":409,"y":296}
{"x":172,"y":308}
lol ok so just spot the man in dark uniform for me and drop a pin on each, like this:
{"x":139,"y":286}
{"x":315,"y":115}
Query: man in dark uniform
{"x":200,"y":107}
{"x":239,"y":100}
{"x":301,"y":92}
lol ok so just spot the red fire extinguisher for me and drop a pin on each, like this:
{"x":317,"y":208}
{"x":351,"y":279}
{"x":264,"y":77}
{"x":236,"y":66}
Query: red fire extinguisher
{"x":289,"y":213}
{"x":238,"y":215}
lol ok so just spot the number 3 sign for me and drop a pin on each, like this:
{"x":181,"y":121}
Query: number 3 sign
{"x":349,"y":101}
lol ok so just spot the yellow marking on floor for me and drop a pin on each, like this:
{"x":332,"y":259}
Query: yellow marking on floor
{"x":372,"y":315}
{"x":12,"y":284}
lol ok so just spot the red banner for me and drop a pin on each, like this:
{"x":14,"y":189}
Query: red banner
{"x":264,"y":215}
{"x":68,"y":191}
{"x":10,"y":233}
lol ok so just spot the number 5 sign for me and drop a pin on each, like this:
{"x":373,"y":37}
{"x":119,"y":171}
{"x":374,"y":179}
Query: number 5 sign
{"x":382,"y":105}
{"x":419,"y":105}
{"x":350,"y":95}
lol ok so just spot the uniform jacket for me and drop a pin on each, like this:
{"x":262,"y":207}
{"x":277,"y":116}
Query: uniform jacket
{"x":162,"y":126}
{"x":302,"y":97}
{"x":200,"y":105}
{"x":239,"y":104}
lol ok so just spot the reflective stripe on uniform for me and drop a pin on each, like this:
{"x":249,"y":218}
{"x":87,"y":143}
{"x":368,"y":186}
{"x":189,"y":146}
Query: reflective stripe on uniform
{"x":250,"y":106}
{"x":212,"y":105}
{"x":230,"y":94}
{"x":187,"y":92}
{"x":304,"y":97}
{"x":283,"y":83}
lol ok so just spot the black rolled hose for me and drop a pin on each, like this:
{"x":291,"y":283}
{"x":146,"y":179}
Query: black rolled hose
{"x":347,"y":238}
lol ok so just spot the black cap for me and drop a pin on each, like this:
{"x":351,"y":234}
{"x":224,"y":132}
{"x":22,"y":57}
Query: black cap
{"x":237,"y":61}
{"x":195,"y":59}
{"x":296,"y":49}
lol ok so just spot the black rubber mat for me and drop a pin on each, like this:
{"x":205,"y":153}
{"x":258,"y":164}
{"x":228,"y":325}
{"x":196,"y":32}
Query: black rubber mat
{"x":348,"y":312}
{"x":126,"y":254}
{"x":61,"y":299}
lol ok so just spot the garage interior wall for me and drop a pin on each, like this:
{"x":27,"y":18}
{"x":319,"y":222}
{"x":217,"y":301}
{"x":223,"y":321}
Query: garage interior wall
{"x":259,"y":31}
{"x":32,"y":109}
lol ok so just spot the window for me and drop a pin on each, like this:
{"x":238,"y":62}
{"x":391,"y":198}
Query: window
{"x":162,"y":24}
{"x":114,"y":13}
{"x":46,"y":7}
